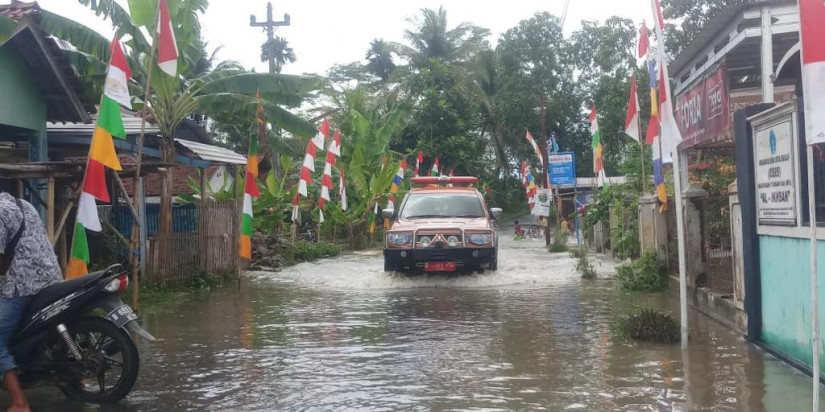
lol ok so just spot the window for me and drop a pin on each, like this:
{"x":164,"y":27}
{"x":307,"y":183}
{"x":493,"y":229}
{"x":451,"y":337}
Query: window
{"x":442,"y":205}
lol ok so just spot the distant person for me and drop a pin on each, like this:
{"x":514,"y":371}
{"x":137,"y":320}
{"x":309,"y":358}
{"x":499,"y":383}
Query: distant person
{"x":517,"y":232}
{"x":27,"y":265}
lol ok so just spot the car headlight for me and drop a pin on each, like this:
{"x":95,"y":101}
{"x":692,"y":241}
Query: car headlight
{"x":479,"y":238}
{"x":399,"y":238}
{"x":425,"y":241}
{"x":452,"y":241}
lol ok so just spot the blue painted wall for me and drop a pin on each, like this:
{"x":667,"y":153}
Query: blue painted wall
{"x":786,"y":295}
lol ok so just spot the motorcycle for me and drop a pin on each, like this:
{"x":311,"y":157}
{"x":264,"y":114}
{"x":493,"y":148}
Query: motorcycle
{"x":62,"y":338}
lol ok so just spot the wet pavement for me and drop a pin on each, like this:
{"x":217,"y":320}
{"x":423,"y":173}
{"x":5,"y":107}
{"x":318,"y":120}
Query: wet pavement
{"x":341,"y":334}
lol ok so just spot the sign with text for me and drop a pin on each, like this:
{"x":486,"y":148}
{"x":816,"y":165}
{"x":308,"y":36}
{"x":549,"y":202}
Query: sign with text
{"x":703,"y":112}
{"x":562,"y":168}
{"x":544,"y":197}
{"x":775,"y":175}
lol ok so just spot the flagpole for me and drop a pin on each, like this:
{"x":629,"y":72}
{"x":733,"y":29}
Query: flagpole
{"x":86,"y":172}
{"x":137,"y":253}
{"x":814,"y":291}
{"x":641,"y":151}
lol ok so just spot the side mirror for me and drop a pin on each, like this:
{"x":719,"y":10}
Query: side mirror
{"x":388,"y":214}
{"x":496,"y":212}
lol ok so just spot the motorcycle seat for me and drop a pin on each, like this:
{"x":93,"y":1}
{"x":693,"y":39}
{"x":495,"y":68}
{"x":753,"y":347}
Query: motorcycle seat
{"x":60,"y":290}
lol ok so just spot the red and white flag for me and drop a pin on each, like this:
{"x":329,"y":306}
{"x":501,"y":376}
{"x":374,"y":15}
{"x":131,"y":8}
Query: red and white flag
{"x":167,"y":47}
{"x":309,"y":165}
{"x":631,"y":123}
{"x":669,"y":131}
{"x":535,"y":147}
{"x":644,"y":40}
{"x":309,"y":158}
{"x":342,"y":188}
{"x":812,"y":34}
{"x":326,"y":184}
{"x":418,"y":161}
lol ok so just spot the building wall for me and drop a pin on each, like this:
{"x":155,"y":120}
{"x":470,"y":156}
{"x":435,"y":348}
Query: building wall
{"x":786,"y":295}
{"x":20,"y":102}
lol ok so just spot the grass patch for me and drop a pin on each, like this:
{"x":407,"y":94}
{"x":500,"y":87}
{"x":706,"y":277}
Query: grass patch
{"x":646,"y":274}
{"x":648,"y":325}
{"x":583,"y":266}
{"x":559,"y":243}
{"x":308,"y":252}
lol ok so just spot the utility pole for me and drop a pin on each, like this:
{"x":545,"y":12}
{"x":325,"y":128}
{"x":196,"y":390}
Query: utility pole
{"x":270,"y":26}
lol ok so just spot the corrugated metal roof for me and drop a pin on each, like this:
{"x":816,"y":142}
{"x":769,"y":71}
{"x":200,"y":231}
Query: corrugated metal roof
{"x":213,"y":153}
{"x":130,"y":122}
{"x":703,"y":40}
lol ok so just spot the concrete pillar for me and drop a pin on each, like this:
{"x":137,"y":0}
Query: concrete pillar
{"x":692,"y":205}
{"x":767,"y":56}
{"x":652,"y":227}
{"x":737,"y":246}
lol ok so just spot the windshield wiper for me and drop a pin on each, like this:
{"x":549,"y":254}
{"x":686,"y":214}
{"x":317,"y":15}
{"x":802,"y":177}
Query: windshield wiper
{"x":469,"y":216}
{"x":422,"y":216}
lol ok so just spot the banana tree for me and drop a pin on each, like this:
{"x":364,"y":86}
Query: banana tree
{"x":218,"y":94}
{"x":274,"y":206}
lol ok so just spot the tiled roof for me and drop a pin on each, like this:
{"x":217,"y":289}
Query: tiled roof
{"x":17,"y":10}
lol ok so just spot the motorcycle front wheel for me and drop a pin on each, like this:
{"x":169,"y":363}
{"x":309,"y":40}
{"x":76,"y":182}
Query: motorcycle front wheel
{"x":111,"y":361}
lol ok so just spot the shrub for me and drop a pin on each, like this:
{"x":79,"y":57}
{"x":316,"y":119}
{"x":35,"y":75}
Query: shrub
{"x":308,"y":252}
{"x":583,"y":266}
{"x":648,"y":325}
{"x":559,"y":240}
{"x":646,"y":274}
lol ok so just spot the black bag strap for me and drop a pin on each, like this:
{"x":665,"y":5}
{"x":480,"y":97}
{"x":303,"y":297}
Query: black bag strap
{"x":11,"y":245}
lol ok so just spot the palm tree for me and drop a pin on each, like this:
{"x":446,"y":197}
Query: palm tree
{"x":380,"y":59}
{"x":224,"y":91}
{"x":280,"y":50}
{"x":431,"y":39}
{"x":484,"y":83}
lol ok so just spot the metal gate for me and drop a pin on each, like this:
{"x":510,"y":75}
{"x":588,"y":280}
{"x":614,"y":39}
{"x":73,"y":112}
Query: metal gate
{"x":717,"y":253}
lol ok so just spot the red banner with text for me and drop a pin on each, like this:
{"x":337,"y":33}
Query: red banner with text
{"x":703,"y":112}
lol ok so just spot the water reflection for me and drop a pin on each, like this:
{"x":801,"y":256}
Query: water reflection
{"x":532,"y":337}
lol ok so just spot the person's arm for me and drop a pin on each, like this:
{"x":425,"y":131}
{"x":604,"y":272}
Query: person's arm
{"x":3,"y":239}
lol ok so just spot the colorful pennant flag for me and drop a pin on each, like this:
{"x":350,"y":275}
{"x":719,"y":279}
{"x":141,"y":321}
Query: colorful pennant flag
{"x":529,"y":183}
{"x":326,"y":184}
{"x":535,"y":147}
{"x":658,"y":177}
{"x":434,"y":171}
{"x":250,"y":190}
{"x":812,"y":34}
{"x":598,"y":166}
{"x":418,"y":161}
{"x":101,"y":154}
{"x":394,"y":187}
{"x":631,"y":123}
{"x":374,"y":219}
{"x":167,"y":46}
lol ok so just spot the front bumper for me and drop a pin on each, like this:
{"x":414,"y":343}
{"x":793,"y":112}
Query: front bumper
{"x":463,"y":257}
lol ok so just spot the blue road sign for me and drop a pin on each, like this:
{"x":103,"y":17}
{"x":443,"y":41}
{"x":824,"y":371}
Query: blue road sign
{"x":562,"y":167}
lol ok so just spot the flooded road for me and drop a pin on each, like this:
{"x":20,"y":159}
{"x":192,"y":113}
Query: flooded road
{"x":343,"y":335}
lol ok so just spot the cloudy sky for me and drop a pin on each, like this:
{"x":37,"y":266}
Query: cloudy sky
{"x":327,"y":32}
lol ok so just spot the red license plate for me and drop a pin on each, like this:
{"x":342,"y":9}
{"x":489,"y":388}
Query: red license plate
{"x":439,"y":266}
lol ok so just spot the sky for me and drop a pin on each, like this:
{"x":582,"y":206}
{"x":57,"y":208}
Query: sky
{"x":325,"y":32}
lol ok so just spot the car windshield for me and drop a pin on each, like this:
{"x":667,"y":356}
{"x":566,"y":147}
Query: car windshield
{"x":420,"y":205}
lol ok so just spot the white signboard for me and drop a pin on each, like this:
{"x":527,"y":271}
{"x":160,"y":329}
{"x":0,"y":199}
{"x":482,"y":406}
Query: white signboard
{"x":544,"y":197}
{"x":775,"y":176}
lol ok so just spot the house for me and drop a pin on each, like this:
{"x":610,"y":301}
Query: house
{"x":756,"y":44}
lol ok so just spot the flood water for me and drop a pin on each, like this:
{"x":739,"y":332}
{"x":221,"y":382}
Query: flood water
{"x":343,"y":335}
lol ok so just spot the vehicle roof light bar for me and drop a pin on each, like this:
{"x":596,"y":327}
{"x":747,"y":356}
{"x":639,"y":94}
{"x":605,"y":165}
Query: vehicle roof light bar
{"x":444,"y":180}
